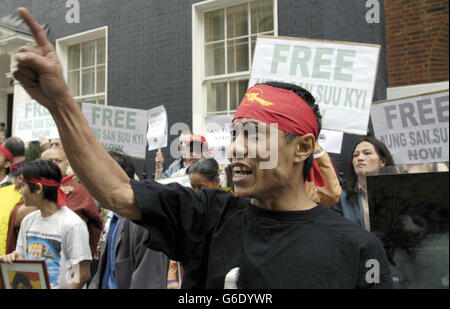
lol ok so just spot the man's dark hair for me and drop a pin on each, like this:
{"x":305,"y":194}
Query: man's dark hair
{"x":16,"y":146}
{"x":124,"y":161}
{"x":44,"y":169}
{"x":311,"y":101}
{"x":207,"y":167}
{"x":382,"y":152}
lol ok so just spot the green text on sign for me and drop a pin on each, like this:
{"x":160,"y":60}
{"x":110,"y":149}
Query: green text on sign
{"x":118,"y":119}
{"x":320,"y":57}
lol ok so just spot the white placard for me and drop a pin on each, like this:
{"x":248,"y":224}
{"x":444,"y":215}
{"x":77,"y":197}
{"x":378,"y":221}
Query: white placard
{"x":33,"y":121}
{"x":157,"y":128}
{"x":340,"y":75}
{"x":182,"y":180}
{"x":415,"y":129}
{"x":118,"y":127}
{"x":331,"y":141}
{"x":218,"y":136}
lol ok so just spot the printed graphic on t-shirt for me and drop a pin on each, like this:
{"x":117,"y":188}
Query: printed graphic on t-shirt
{"x":48,"y":247}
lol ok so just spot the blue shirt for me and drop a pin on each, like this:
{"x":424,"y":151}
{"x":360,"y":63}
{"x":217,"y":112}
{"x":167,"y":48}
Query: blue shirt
{"x":173,"y":168}
{"x":109,"y":280}
{"x":351,"y":210}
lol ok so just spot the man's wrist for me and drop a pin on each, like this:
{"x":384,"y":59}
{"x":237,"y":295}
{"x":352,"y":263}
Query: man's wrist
{"x":64,"y":100}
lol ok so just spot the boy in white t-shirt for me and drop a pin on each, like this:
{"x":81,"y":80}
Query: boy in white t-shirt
{"x":54,"y":232}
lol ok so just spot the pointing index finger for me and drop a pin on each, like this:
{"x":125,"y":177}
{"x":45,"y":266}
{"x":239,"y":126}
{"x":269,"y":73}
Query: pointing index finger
{"x":36,"y":30}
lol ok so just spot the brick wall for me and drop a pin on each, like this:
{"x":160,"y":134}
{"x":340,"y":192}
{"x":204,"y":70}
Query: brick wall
{"x":416,"y":41}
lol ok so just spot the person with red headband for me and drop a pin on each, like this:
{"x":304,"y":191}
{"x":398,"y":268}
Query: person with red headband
{"x":178,"y":164}
{"x":6,"y":159}
{"x":17,"y":148}
{"x":54,"y":232}
{"x":78,"y":198}
{"x":271,"y":235}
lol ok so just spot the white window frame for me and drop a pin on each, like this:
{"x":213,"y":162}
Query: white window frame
{"x":62,"y":49}
{"x":199,"y":88}
{"x":413,"y":90}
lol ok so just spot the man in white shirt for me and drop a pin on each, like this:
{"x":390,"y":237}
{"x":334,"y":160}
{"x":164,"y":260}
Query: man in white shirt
{"x":53,"y":232}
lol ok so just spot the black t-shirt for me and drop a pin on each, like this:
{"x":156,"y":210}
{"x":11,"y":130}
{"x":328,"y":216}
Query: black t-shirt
{"x":215,"y":234}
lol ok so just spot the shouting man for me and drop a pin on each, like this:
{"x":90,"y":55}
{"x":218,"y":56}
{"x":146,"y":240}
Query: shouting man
{"x":270,"y":236}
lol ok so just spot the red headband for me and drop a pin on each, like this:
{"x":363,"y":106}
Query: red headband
{"x":62,"y":200}
{"x":6,"y":153}
{"x":292,"y":114}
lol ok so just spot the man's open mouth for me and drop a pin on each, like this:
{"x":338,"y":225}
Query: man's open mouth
{"x":240,"y":171}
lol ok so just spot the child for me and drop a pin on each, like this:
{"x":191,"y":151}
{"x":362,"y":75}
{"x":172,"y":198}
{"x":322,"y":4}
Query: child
{"x":53,"y":232}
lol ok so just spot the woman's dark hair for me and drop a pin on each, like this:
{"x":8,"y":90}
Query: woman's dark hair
{"x":311,"y":101}
{"x":124,"y":161}
{"x":21,"y":278}
{"x":382,"y":152}
{"x":207,"y":167}
{"x":45,"y":169}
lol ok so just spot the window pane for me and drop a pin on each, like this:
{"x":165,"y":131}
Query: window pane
{"x":237,"y":91}
{"x":217,"y":97}
{"x":101,"y":51}
{"x":253,"y":47}
{"x":215,"y":59}
{"x":101,"y":78}
{"x":237,"y":21}
{"x":74,"y":57}
{"x":88,"y":53}
{"x":262,"y":16}
{"x":73,"y":79}
{"x":214,"y":26}
{"x":87,"y":81}
{"x":101,"y":101}
{"x":237,"y":55}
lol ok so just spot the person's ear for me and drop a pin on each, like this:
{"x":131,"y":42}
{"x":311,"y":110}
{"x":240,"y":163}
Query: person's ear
{"x":7,"y":164}
{"x":218,"y":182}
{"x":382,"y":163}
{"x":304,"y":147}
{"x":40,"y":189}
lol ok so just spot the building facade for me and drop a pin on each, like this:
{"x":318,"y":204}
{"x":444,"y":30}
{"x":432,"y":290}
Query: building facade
{"x":195,"y":57}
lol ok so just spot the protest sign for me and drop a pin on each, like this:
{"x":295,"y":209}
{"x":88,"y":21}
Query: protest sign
{"x":33,"y":121}
{"x":415,"y":129}
{"x":331,"y":141}
{"x":118,"y":127}
{"x":340,"y":75}
{"x":157,"y":128}
{"x":218,"y":136}
{"x":182,"y":180}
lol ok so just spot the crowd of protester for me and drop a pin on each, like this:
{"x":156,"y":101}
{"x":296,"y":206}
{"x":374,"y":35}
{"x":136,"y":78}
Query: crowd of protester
{"x":238,"y":225}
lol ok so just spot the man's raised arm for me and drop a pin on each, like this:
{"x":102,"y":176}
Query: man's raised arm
{"x":40,"y":73}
